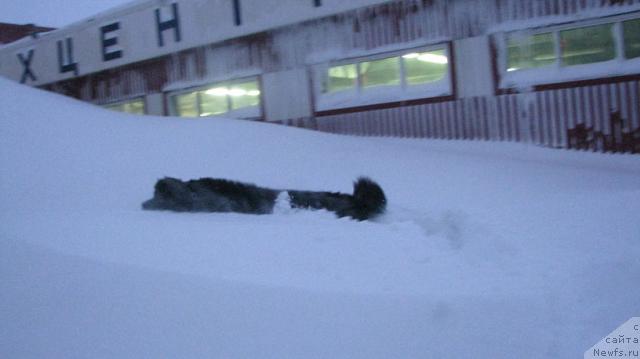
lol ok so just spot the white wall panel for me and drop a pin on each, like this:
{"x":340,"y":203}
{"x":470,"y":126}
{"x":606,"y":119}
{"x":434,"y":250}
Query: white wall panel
{"x":278,"y":89}
{"x":155,"y":104}
{"x":473,"y":64}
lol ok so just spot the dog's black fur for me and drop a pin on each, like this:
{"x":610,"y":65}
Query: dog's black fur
{"x":220,"y":195}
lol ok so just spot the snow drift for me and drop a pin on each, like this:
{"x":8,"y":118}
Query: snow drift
{"x":487,"y":249}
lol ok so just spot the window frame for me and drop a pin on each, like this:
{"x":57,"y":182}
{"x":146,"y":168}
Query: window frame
{"x":356,"y":97}
{"x":249,"y":112}
{"x":556,"y":72}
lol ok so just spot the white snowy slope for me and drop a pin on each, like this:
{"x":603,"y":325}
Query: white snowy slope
{"x":488,"y":250}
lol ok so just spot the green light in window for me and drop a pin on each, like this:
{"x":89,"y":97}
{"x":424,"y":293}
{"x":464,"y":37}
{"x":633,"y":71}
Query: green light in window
{"x":186,"y":105}
{"x":587,"y":45}
{"x":384,"y":72}
{"x":425,"y":67}
{"x":245,"y":94}
{"x":526,"y":51}
{"x":631,"y":30}
{"x":341,"y":78}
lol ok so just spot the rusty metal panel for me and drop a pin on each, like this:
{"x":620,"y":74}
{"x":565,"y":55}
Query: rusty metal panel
{"x":542,"y":118}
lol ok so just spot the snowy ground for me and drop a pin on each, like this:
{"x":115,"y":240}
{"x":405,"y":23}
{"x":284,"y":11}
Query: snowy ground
{"x":488,"y":250}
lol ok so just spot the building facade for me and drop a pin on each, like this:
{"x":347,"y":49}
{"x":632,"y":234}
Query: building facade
{"x":558,"y":73}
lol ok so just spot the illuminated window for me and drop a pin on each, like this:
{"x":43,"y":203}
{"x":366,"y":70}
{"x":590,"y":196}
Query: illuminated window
{"x":114,"y":107}
{"x":218,"y":99}
{"x":214,"y":101}
{"x":186,"y":105}
{"x":631,"y":31}
{"x":530,"y":51}
{"x":425,"y":67}
{"x":409,"y":75}
{"x":587,"y":45}
{"x":382,"y":72}
{"x":402,"y":73}
{"x":575,"y":46}
{"x":343,"y":77}
{"x":134,"y":107}
{"x":244,"y":94}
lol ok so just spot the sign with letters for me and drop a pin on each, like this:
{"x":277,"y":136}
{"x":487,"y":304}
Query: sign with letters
{"x":145,"y":30}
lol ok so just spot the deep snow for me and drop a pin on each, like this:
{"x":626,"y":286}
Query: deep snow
{"x":488,"y":250}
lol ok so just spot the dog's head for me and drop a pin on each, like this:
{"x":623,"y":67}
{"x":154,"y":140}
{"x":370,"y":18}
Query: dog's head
{"x":170,"y":194}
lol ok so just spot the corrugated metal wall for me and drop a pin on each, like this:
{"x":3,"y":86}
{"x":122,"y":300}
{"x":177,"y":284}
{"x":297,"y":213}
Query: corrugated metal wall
{"x":540,"y":117}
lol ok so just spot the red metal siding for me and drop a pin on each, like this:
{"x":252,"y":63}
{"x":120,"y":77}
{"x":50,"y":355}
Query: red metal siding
{"x":541,"y":117}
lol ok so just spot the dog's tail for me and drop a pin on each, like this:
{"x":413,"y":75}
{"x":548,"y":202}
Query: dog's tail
{"x":368,"y":199}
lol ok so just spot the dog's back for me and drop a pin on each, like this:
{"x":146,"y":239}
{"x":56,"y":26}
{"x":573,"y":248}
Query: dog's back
{"x":220,"y":195}
{"x":210,"y":195}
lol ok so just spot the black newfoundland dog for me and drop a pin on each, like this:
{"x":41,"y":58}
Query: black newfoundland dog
{"x":220,"y":195}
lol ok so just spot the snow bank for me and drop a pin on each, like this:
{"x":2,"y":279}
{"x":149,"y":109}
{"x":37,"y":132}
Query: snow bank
{"x":488,"y":249}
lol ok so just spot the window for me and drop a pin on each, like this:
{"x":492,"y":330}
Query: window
{"x":587,"y":45}
{"x":382,"y":72}
{"x":425,"y":67}
{"x":631,"y":30}
{"x":244,"y":94}
{"x":384,"y":78}
{"x":574,"y":46}
{"x":214,"y":101}
{"x":342,"y":78}
{"x":400,"y":71}
{"x":219,"y":99}
{"x":530,"y":51}
{"x":186,"y":105}
{"x":134,"y":106}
